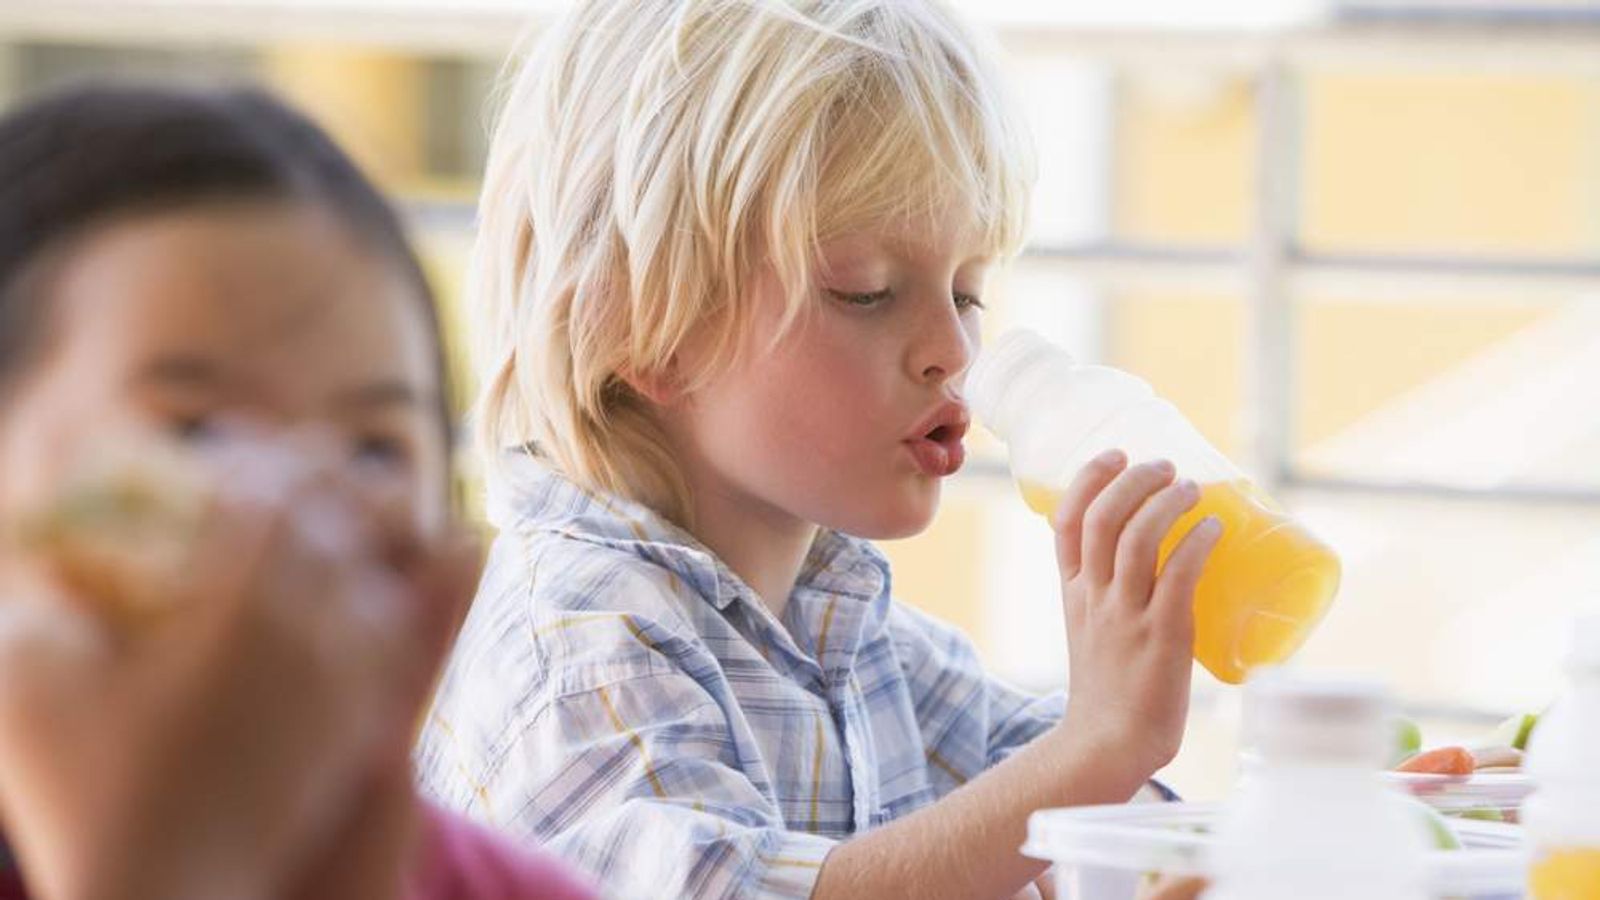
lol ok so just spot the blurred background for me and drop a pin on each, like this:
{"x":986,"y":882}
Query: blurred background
{"x":1358,"y":243}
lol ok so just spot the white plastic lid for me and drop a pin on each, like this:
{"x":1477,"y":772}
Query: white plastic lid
{"x":1180,"y":839}
{"x":1297,"y":718}
{"x":1493,"y":792}
{"x":990,"y":382}
{"x":1170,"y":838}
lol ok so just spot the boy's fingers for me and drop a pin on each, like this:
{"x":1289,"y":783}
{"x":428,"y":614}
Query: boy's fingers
{"x":1173,"y":597}
{"x":1173,"y":888}
{"x":1140,"y":545}
{"x":1093,"y":479}
{"x":1108,"y":515}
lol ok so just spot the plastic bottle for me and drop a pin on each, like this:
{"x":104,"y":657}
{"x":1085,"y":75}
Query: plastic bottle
{"x":1312,"y":818}
{"x":1562,"y":816}
{"x":1269,"y":581}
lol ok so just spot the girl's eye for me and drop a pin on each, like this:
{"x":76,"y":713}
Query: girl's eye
{"x":864,"y":300}
{"x":965,"y":302}
{"x":193,"y":428}
{"x":380,"y":450}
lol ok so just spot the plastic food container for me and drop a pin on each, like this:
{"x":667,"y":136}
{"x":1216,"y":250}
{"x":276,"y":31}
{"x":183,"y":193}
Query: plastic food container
{"x":1493,"y":796}
{"x":1115,"y":852}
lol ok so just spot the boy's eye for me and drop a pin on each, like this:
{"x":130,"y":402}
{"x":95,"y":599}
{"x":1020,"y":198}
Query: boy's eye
{"x":867,"y":299}
{"x":965,"y":302}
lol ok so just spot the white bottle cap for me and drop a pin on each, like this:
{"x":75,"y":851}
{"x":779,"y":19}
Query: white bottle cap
{"x":991,"y":383}
{"x":1292,"y":717}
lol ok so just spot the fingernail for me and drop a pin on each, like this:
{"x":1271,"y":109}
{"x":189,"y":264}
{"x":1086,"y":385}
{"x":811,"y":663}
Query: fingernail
{"x":1110,"y":458}
{"x":1164,"y":467}
{"x":1188,"y":487}
{"x":1210,"y":525}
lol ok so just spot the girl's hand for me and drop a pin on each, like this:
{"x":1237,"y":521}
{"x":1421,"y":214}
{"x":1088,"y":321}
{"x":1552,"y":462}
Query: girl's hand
{"x":247,"y":724}
{"x":371,"y":853}
{"x":1130,"y":634}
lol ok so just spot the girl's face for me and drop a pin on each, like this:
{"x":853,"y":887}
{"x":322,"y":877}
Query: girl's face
{"x":252,"y":315}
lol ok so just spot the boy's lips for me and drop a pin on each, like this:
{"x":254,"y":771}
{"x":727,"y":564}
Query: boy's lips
{"x":935,"y":443}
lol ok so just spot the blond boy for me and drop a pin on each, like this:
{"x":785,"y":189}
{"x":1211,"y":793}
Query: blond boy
{"x":726,"y":289}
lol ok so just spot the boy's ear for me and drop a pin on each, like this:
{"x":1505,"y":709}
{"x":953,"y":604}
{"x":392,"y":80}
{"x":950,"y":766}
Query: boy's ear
{"x":661,"y":387}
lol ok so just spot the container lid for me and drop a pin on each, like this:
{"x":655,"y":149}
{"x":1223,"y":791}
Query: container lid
{"x":1495,"y":792}
{"x":1178,"y":839}
{"x":1337,"y":721}
{"x":1171,"y":838}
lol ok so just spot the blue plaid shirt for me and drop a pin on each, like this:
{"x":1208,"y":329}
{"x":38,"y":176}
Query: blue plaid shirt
{"x":622,"y":697}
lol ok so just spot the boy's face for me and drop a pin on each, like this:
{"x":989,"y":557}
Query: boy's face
{"x":269,"y":316}
{"x":855,"y":417}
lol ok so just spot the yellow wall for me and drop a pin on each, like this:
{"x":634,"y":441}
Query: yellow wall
{"x":1184,"y":158}
{"x":371,"y":101}
{"x":1444,"y":164}
{"x":1191,"y":350}
{"x":1352,"y":357}
{"x":941,"y":570}
{"x":1432,"y":163}
{"x":1453,"y":163}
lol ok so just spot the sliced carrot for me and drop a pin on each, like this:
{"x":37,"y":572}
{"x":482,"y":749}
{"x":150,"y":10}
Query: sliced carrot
{"x":1443,"y":761}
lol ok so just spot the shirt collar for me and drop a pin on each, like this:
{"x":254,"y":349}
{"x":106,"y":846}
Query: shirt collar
{"x":529,"y":495}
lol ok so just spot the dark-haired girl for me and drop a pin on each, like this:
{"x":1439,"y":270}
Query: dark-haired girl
{"x":203,"y":278}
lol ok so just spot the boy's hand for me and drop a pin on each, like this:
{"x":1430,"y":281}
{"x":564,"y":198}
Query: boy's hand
{"x":1130,"y":634}
{"x":1173,"y":887}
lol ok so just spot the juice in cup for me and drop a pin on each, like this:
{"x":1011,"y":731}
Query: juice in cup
{"x":1268,"y":582}
{"x":1571,"y":874}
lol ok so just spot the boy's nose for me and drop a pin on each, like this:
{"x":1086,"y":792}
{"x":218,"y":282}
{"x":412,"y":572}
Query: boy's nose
{"x":944,"y":349}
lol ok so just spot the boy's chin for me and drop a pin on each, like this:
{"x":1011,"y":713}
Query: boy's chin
{"x":895,"y":518}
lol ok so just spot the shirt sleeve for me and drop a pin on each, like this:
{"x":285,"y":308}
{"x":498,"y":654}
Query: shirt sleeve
{"x":1018,"y":717}
{"x":974,"y":720}
{"x":970,"y":719}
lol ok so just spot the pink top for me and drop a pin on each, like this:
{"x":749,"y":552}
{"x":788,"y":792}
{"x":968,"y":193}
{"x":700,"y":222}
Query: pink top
{"x":457,"y":860}
{"x":461,"y":860}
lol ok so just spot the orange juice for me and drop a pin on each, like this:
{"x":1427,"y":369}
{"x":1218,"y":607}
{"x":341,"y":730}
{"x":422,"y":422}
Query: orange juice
{"x":1565,"y":875}
{"x":1268,"y":583}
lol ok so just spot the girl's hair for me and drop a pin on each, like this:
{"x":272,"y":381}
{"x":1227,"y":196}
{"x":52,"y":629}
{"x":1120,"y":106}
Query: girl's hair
{"x":653,"y":155}
{"x":78,"y":157}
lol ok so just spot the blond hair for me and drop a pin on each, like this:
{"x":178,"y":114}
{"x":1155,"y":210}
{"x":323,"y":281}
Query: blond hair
{"x":652,"y":155}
